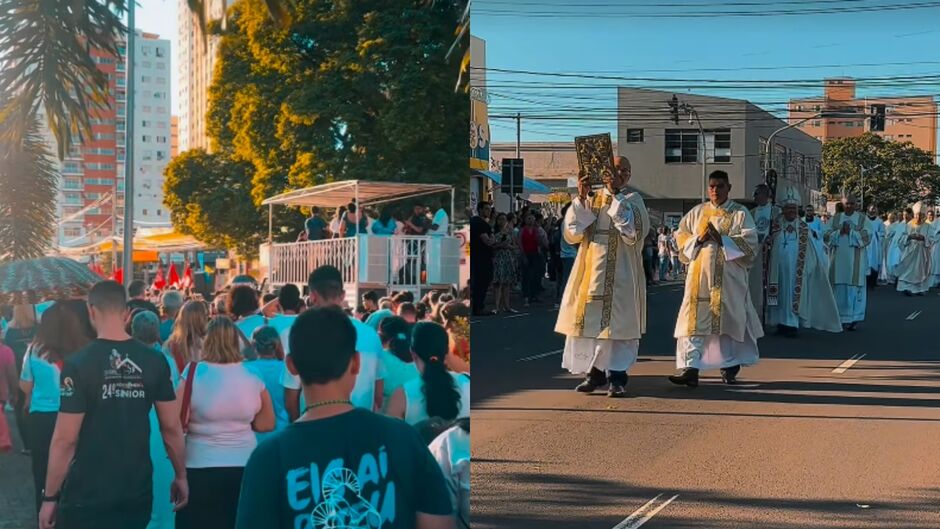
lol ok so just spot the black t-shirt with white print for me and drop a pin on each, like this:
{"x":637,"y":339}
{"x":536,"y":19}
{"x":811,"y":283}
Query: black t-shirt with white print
{"x":114,"y":383}
{"x":357,"y":469}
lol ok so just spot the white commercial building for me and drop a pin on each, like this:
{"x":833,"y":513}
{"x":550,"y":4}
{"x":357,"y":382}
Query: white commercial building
{"x":196,"y":65}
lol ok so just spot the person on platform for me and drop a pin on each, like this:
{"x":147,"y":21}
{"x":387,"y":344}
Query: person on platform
{"x":798,"y":290}
{"x":764,"y":215}
{"x":874,"y":247}
{"x":914,"y":268}
{"x":847,"y":235}
{"x":718,"y":326}
{"x":603,"y":309}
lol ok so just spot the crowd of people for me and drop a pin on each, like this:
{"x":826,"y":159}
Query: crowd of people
{"x":517,"y":252}
{"x":164,"y":409}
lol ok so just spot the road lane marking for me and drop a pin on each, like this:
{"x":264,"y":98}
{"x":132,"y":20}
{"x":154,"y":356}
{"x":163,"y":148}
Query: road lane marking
{"x":643,"y":514}
{"x":542,"y":355}
{"x":913,"y":316}
{"x":844,"y":366}
{"x":516,"y":316}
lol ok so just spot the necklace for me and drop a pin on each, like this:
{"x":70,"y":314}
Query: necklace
{"x":325,"y":403}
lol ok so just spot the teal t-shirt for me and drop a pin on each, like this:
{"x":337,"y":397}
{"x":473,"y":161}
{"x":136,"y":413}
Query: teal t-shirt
{"x":357,"y":469}
{"x":45,"y":378}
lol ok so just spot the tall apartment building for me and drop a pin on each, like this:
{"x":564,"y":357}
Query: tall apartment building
{"x":196,"y":62}
{"x":174,"y":136}
{"x":94,"y":168}
{"x":907,"y":119}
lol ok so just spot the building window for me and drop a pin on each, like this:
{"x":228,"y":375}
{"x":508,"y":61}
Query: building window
{"x":147,"y":109}
{"x":145,"y":211}
{"x":145,"y":78}
{"x":145,"y":50}
{"x":161,"y":139}
{"x":816,"y":108}
{"x":682,"y":146}
{"x":817,"y":123}
{"x":634,"y":135}
{"x":145,"y":64}
{"x":159,"y":212}
{"x":161,"y":65}
{"x":160,"y":52}
{"x":161,"y":155}
{"x":145,"y":138}
{"x":722,"y":149}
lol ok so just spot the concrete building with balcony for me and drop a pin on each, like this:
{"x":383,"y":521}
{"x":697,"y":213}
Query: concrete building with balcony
{"x":197,"y":56}
{"x":666,"y":157}
{"x":907,"y":119}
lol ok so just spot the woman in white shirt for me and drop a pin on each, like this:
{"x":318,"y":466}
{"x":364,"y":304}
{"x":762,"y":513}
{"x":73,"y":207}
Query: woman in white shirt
{"x":228,"y":404}
{"x":439,"y":393}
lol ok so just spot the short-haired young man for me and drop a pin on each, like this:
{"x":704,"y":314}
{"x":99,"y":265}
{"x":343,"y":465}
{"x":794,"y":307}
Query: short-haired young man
{"x":137,"y":292}
{"x":339,"y":465}
{"x":326,"y":290}
{"x":99,"y":460}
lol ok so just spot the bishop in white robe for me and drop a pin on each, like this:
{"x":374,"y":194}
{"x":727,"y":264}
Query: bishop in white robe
{"x":914,"y":269}
{"x":603,"y":309}
{"x":847,"y":236}
{"x":717,"y":326}
{"x":798,"y":290}
{"x":875,"y":246}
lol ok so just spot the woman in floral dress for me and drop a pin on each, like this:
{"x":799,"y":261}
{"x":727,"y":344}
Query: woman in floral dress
{"x":504,"y":263}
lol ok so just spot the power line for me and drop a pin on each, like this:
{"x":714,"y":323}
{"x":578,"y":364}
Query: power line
{"x":572,"y":13}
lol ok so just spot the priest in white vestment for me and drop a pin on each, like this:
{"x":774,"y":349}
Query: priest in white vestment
{"x":914,"y":269}
{"x":764,"y":215}
{"x":798,"y":290}
{"x":934,"y":243}
{"x":883,"y":276}
{"x":603,"y":310}
{"x":717,"y":326}
{"x":817,"y":226}
{"x":893,"y":254}
{"x":874,"y":247}
{"x":847,"y":235}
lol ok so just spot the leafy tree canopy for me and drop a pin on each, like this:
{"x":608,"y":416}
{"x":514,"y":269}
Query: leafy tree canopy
{"x":902,"y":174}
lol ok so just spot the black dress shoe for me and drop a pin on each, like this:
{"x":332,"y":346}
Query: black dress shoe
{"x":685,"y":377}
{"x":730,"y":375}
{"x":851,"y":326}
{"x":595,"y":379}
{"x":616,"y":391}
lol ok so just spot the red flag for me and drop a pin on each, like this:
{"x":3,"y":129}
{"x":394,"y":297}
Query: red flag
{"x":187,"y":281}
{"x":174,"y":279}
{"x":118,"y":275}
{"x":159,"y":282}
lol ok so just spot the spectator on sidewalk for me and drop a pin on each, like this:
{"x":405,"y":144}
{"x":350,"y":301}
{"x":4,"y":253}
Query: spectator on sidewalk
{"x":505,"y":266}
{"x":171,"y":302}
{"x":102,"y":432}
{"x":534,"y":246}
{"x":481,"y":258}
{"x":185,"y":344}
{"x":649,"y":257}
{"x":662,"y":248}
{"x":19,"y":334}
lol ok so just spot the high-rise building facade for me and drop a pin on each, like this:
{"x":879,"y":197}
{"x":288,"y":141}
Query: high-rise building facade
{"x":92,"y":173}
{"x":174,"y":136}
{"x":197,"y":55}
{"x":906,"y":119}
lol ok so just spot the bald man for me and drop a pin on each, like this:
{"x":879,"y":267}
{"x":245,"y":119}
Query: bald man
{"x":847,"y":236}
{"x":603,"y":310}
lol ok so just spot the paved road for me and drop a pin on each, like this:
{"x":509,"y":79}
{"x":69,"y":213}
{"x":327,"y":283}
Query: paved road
{"x":17,"y":504}
{"x":796,"y":445}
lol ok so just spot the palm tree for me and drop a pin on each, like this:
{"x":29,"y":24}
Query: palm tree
{"x":45,"y":62}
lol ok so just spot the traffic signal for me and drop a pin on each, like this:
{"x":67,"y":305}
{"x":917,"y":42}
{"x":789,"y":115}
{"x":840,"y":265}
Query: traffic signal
{"x":674,"y":109}
{"x":878,"y":118}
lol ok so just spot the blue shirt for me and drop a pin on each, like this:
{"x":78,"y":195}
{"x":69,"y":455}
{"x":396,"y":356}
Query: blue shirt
{"x":166,"y":329}
{"x":269,"y":370}
{"x":45,"y":378}
{"x":380,"y":228}
{"x":314,"y":227}
{"x":375,"y":319}
{"x":161,"y":510}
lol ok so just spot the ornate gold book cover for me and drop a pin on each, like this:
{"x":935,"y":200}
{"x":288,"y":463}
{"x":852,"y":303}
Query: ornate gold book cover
{"x":595,"y":157}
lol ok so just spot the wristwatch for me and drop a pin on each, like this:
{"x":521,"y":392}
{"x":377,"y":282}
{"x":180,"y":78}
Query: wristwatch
{"x":54,"y":498}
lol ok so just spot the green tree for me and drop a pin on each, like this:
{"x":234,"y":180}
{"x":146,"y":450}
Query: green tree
{"x":903,"y":173}
{"x":45,"y":63}
{"x":347,"y":90}
{"x":209,"y":198}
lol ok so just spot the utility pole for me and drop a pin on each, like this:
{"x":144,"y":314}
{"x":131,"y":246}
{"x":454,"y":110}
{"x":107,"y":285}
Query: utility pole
{"x":685,"y":107}
{"x":512,"y":178}
{"x":129,"y":150}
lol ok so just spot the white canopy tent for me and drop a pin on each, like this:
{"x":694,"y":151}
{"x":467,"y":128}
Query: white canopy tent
{"x":363,"y":192}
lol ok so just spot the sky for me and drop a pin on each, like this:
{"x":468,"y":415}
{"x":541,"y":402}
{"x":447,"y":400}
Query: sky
{"x":159,"y":16}
{"x":608,"y":39}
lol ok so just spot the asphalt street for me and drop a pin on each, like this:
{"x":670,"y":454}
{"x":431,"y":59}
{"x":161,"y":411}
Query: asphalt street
{"x":828,"y":430}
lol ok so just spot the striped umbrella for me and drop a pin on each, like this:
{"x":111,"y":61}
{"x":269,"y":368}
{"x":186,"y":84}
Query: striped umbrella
{"x":37,"y":280}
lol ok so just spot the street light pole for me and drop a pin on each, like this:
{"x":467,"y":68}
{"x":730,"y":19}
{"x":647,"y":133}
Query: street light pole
{"x":129,"y":151}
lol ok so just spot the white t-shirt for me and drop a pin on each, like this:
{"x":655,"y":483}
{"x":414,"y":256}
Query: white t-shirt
{"x":451,"y":449}
{"x":441,"y":219}
{"x":371,"y":369}
{"x":225,"y":400}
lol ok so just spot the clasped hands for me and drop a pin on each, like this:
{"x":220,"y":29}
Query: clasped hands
{"x":710,"y":234}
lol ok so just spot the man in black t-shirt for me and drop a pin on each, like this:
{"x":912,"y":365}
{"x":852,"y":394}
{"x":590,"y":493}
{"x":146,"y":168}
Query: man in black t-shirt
{"x":99,"y":461}
{"x":481,"y":257}
{"x":340,"y":466}
{"x":137,"y":292}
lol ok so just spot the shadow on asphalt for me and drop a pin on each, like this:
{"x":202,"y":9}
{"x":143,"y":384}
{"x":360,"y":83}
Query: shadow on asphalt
{"x":565,"y":495}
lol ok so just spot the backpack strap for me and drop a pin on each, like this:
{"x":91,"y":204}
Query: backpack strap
{"x":187,"y":396}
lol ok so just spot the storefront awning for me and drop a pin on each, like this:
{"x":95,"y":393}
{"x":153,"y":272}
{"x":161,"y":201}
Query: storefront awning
{"x":528,"y":185}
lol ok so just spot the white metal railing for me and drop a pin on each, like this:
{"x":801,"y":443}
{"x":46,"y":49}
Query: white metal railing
{"x":408,"y":256}
{"x":293,"y":262}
